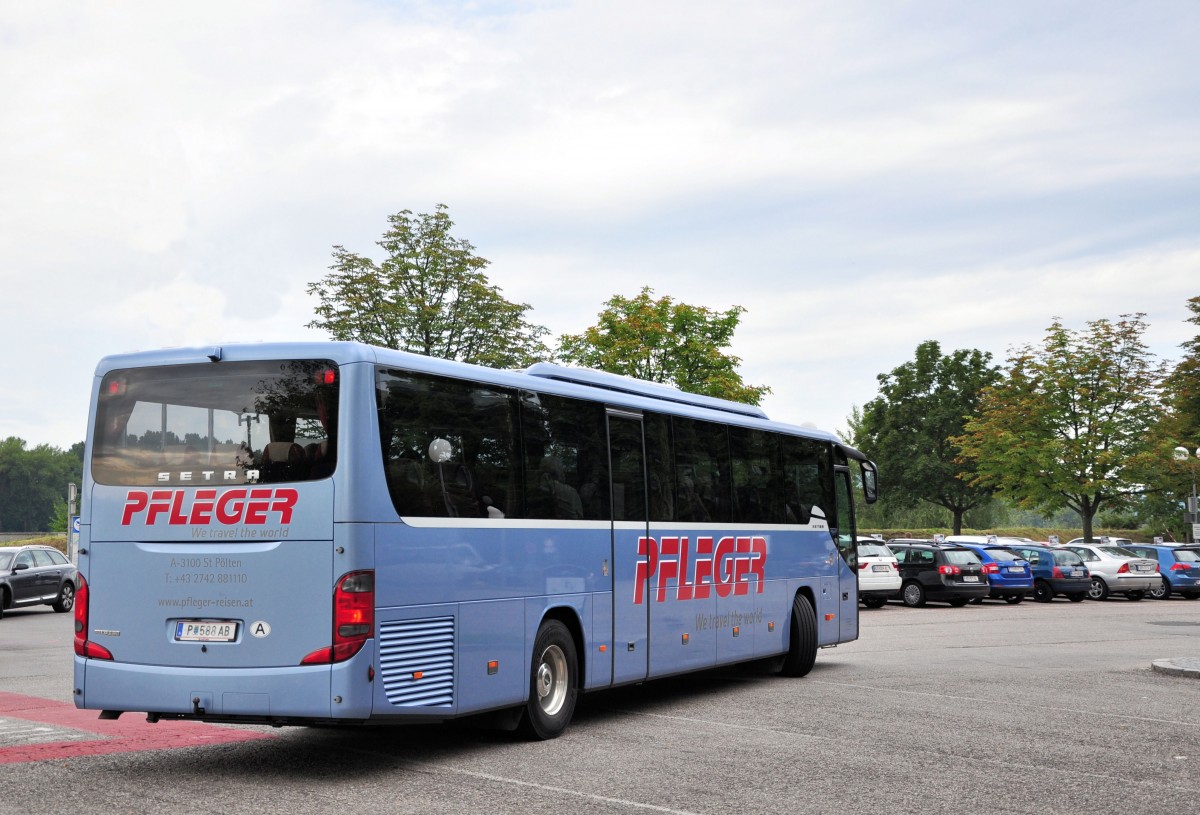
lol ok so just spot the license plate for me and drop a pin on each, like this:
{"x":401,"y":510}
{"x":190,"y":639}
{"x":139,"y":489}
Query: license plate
{"x":880,"y":567}
{"x":206,"y":630}
{"x":970,"y":578}
{"x":1078,"y":573}
{"x":1015,"y":570}
{"x":1142,"y":567}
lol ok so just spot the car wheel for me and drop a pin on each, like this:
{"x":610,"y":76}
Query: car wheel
{"x":1042,"y":591}
{"x":1189,"y":595}
{"x":874,"y":602}
{"x":1077,"y":598}
{"x":66,"y":598}
{"x":1013,"y":599}
{"x":976,"y":601}
{"x":1160,"y":592}
{"x":1135,"y":595}
{"x":1098,"y":590}
{"x":913,"y":594}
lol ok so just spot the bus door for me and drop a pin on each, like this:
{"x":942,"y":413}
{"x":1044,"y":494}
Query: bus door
{"x":631,"y":562}
{"x":847,"y":564}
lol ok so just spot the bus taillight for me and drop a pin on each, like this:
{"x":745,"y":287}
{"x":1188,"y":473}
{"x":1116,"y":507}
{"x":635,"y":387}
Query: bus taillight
{"x":83,"y":647}
{"x":353,"y":619}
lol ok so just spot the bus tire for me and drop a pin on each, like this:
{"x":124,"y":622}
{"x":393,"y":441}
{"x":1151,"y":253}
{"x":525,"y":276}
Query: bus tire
{"x":553,"y":683}
{"x":802,"y":648}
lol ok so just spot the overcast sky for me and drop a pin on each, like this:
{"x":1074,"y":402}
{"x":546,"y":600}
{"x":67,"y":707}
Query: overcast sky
{"x":859,"y":176}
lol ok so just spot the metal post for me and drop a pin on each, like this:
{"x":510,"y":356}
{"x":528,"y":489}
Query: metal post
{"x":72,"y":515}
{"x":1193,"y":511}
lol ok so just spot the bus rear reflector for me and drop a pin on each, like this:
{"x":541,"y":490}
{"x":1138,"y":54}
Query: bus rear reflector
{"x":83,"y":647}
{"x":353,"y":619}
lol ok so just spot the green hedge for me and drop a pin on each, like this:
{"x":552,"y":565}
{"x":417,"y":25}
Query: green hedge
{"x":59,"y":542}
{"x":1032,"y":533}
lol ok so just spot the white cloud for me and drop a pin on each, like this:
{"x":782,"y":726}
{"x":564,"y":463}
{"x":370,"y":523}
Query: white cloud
{"x":860,"y":178}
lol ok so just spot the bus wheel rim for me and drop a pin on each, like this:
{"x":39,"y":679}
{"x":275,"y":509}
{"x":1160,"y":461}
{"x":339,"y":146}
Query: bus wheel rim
{"x":551,"y":680}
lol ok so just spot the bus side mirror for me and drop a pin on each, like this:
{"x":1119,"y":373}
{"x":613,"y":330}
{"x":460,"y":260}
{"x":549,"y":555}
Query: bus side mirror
{"x":870,"y":482}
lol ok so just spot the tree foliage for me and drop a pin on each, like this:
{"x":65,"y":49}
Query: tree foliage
{"x":662,"y":340}
{"x":33,"y":484}
{"x":1072,"y":420}
{"x":1162,"y":509}
{"x":429,"y":296}
{"x":910,"y":428}
{"x":1183,"y":385}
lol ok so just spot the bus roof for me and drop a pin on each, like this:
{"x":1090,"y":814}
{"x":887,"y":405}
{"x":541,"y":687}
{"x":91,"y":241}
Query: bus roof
{"x":601,"y":386}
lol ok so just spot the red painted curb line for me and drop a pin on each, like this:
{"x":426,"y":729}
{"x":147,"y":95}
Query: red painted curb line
{"x":128,"y":734}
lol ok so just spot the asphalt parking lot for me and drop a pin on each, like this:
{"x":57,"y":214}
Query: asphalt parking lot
{"x":1008,"y":709}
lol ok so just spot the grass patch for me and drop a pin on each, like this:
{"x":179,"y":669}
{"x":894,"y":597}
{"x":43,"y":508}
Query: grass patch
{"x":59,"y":542}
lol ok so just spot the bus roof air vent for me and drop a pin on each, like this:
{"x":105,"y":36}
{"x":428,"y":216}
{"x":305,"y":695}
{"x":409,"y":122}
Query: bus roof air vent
{"x":639,"y":387}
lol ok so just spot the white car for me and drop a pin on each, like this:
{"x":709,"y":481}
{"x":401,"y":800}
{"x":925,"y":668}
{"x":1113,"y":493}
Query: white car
{"x":1107,"y":541}
{"x":1115,"y":569}
{"x":878,"y":573}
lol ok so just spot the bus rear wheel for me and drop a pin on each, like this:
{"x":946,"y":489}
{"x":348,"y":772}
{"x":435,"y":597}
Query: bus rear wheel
{"x":802,"y":648}
{"x":553,"y":683}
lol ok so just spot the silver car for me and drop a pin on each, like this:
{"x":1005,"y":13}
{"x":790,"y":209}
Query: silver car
{"x":1116,"y":569}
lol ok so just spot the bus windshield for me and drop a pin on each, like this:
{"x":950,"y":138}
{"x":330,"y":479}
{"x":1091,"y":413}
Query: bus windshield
{"x":227,"y":423}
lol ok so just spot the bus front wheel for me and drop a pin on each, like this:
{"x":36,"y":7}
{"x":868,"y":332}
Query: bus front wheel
{"x":802,"y":649}
{"x":553,"y":683}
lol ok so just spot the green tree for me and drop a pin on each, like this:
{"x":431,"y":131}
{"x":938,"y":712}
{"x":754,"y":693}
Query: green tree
{"x":910,"y":428}
{"x":1184,"y":383}
{"x":661,"y":340}
{"x":32,"y":483}
{"x":429,"y":296}
{"x":1161,"y":512}
{"x":1072,"y":420}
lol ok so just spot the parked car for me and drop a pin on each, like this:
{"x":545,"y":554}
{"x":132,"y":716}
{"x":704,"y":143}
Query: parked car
{"x":1105,"y":539}
{"x":1008,"y":573}
{"x":1056,"y":571}
{"x":1178,"y":565}
{"x":878,"y":573}
{"x":1114,"y":569}
{"x":34,"y":575}
{"x":934,"y":571}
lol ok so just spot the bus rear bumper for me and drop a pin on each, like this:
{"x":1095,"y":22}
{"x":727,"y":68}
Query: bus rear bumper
{"x":288,"y":695}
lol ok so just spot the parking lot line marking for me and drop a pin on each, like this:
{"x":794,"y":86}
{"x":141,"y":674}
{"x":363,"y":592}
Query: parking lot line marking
{"x":125,"y":735}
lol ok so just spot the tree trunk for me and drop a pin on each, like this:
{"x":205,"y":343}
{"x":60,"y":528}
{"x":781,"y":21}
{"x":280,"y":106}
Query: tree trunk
{"x":958,"y":519}
{"x":1087,"y":517}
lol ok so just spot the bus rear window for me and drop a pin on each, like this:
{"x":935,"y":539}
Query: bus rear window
{"x":217,"y":424}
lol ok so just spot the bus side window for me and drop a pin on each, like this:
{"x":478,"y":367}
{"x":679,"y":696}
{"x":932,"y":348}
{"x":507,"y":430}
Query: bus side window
{"x":757,"y":476}
{"x":474,"y":472}
{"x":702,"y":482}
{"x":807,"y":479}
{"x":566,"y":458}
{"x":660,"y":467}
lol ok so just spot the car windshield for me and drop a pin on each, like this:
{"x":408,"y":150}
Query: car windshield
{"x":961,"y":557}
{"x":1003,"y":554}
{"x":1065,"y":557}
{"x":873,"y":550}
{"x":1187,"y":555}
{"x":6,"y":559}
{"x":1117,"y":551}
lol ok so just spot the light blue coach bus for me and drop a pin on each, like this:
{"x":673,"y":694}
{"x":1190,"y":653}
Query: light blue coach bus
{"x":335,"y":533}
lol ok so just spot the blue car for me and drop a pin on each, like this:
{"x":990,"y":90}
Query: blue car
{"x":1056,"y":571}
{"x":1008,"y":573}
{"x":1178,"y":565}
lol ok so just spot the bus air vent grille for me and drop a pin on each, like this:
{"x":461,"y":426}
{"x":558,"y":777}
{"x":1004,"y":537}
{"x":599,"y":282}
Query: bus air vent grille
{"x":417,"y":662}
